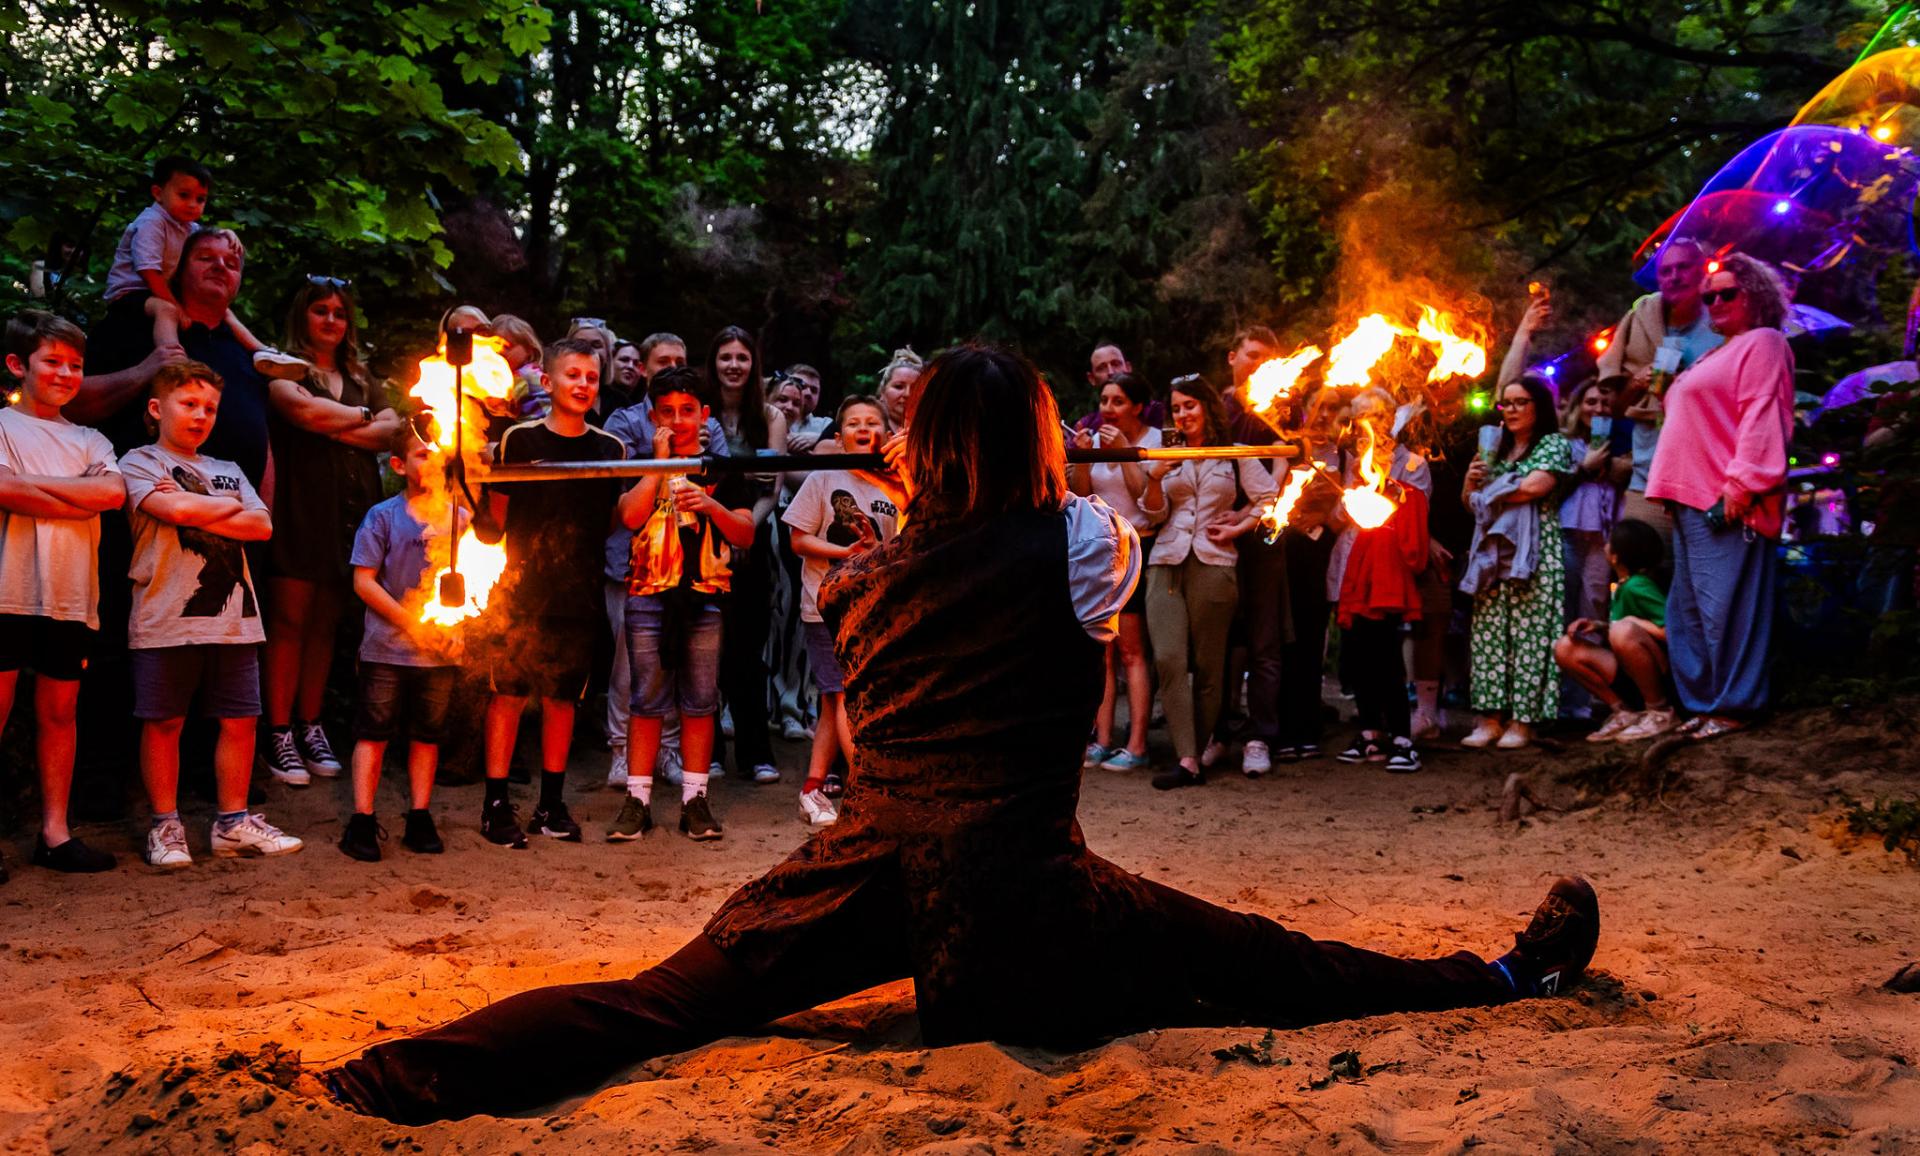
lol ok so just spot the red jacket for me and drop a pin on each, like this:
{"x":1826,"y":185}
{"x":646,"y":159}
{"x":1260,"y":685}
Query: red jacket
{"x":1383,"y":569}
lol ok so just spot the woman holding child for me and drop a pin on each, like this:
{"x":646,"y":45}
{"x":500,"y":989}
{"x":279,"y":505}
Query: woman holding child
{"x":327,"y":432}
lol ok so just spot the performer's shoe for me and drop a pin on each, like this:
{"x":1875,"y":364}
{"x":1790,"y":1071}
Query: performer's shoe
{"x":555,"y":822}
{"x":696,"y":819}
{"x":420,"y":835}
{"x":1554,"y":950}
{"x":1179,"y":776}
{"x":633,"y":822}
{"x":500,"y":823}
{"x":834,"y":787}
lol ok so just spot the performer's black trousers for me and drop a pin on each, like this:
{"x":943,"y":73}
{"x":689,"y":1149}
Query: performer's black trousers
{"x":745,"y":619}
{"x":1265,"y":613}
{"x":1188,"y":963}
{"x":1379,"y":675}
{"x":1305,"y":654}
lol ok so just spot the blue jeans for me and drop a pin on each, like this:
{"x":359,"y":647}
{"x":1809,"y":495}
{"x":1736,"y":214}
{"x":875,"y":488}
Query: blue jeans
{"x":692,"y":686}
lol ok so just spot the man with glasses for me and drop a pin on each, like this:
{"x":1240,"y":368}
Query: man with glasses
{"x":1673,"y":320}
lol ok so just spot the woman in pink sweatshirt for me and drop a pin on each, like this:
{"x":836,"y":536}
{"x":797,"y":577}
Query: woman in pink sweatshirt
{"x":1722,"y":468}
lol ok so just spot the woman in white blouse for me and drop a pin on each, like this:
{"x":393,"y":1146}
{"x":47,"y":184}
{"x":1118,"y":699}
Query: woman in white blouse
{"x":1122,"y":400}
{"x":1200,"y":508}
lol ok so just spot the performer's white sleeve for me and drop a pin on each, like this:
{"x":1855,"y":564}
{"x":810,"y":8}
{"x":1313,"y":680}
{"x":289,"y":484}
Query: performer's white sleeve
{"x":1103,"y":564}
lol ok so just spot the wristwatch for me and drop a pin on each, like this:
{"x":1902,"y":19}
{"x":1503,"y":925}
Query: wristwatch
{"x":366,"y":415}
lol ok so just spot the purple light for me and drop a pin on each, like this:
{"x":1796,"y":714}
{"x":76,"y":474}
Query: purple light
{"x":1781,"y":208}
{"x":1550,"y":371}
{"x":1830,"y":460}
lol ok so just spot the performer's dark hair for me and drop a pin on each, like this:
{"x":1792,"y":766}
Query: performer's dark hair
{"x":984,"y":434}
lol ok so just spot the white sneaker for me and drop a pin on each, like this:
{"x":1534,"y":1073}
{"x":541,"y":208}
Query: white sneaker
{"x":793,"y":730}
{"x":167,"y":846}
{"x":316,"y":753}
{"x":816,"y":810}
{"x":617,"y":772}
{"x":1254,"y":758}
{"x":282,"y":759}
{"x":666,"y":765}
{"x":273,"y":363}
{"x":1484,"y":735}
{"x":715,"y":770}
{"x":1650,"y":724}
{"x":766,"y":773}
{"x":1214,"y":752}
{"x":1517,"y":737}
{"x":252,"y":837}
{"x":1618,"y":721}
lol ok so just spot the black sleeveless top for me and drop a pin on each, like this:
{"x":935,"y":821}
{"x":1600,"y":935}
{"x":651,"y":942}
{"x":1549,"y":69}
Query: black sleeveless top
{"x":322,"y":489}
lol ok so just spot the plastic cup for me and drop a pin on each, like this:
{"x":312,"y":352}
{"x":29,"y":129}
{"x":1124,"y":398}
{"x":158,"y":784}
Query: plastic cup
{"x":1489,"y":441}
{"x":1602,"y":429}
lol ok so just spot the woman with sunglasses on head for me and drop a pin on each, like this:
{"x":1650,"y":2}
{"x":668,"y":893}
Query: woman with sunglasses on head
{"x":327,"y":432}
{"x":1722,"y":468}
{"x":972,"y":647}
{"x":1519,"y":595}
{"x":1201,"y":507}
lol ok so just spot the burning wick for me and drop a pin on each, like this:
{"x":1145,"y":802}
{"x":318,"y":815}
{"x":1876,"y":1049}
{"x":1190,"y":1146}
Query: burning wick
{"x":466,"y":368}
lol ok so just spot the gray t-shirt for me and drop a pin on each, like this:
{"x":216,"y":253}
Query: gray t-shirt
{"x":191,"y":586}
{"x":49,"y":566}
{"x":396,"y":546}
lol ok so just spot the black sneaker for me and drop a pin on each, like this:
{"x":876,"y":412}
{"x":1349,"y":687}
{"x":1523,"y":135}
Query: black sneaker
{"x":1309,"y":751}
{"x":72,"y":857}
{"x":1404,"y":760}
{"x":1554,"y":950}
{"x":1286,"y":754}
{"x":633,"y":822}
{"x":421,"y":835}
{"x":500,"y":823}
{"x":556,"y":823}
{"x":696,"y":819}
{"x":834,"y":786}
{"x":1177,"y":777}
{"x":362,"y":838}
{"x":1363,"y":750}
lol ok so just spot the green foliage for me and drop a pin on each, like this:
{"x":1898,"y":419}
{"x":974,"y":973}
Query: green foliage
{"x":327,"y":125}
{"x":1896,"y":821}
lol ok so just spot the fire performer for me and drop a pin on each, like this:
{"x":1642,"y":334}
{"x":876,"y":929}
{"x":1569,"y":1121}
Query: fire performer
{"x":972,"y":647}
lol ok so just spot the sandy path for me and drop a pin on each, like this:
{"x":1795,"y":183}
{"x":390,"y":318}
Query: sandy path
{"x":1737,"y":1005}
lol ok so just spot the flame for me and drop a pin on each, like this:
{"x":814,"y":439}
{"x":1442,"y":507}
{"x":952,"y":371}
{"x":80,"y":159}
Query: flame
{"x":1279,"y":512}
{"x":1354,"y":356}
{"x":1275,"y":379}
{"x":1367,"y":504}
{"x":482,"y":565}
{"x":489,"y":377}
{"x":1456,"y":356}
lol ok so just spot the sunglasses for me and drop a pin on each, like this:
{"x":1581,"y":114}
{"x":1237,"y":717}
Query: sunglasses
{"x":1715,"y":296}
{"x":1183,"y":379}
{"x":326,"y":282}
{"x":590,"y":322}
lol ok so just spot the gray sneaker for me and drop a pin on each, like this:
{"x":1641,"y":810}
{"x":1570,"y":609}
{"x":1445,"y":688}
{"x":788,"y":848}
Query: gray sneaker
{"x":167,"y":846}
{"x":635,"y":820}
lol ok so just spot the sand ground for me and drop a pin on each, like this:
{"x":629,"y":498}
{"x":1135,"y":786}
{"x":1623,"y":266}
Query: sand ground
{"x":1736,"y":1003}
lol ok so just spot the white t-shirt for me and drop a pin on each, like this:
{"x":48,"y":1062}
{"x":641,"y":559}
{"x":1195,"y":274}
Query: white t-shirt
{"x":151,"y":244}
{"x":825,"y":507}
{"x":191,"y":586}
{"x":1109,"y":484}
{"x":49,"y":566}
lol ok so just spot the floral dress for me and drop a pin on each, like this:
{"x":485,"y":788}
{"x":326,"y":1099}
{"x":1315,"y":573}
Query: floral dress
{"x":1516,"y":620}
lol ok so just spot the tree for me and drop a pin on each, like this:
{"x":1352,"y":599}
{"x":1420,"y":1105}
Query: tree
{"x":326,"y":124}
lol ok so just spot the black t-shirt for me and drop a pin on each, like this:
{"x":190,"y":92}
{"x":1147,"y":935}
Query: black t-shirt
{"x":239,"y":431}
{"x":556,"y":532}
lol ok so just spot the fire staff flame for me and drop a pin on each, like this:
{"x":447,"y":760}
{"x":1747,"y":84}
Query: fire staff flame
{"x":439,"y":390}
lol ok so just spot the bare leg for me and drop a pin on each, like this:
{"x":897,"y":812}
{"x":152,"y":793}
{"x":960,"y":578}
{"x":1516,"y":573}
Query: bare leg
{"x":1133,"y":655}
{"x":826,"y":741}
{"x":288,"y":604}
{"x":502,"y":728}
{"x":1593,"y":667}
{"x":160,"y":762}
{"x":423,"y":759}
{"x":368,"y":756}
{"x":696,"y":741}
{"x":643,"y":745}
{"x":54,"y":700}
{"x":556,"y":733}
{"x":1103,"y":718}
{"x":233,"y":762}
{"x":316,"y":652}
{"x":1643,"y":659}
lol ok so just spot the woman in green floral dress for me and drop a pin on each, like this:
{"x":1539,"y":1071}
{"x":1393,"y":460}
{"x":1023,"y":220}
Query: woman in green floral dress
{"x":1515,"y":620}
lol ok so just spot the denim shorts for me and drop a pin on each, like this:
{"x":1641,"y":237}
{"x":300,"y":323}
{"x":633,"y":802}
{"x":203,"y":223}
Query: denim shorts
{"x":226,"y":677}
{"x":692,"y":687}
{"x":821,"y":660}
{"x":389,"y":693}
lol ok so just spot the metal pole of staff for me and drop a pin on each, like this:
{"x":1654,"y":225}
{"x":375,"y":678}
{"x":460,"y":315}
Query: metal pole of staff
{"x":800,"y":463}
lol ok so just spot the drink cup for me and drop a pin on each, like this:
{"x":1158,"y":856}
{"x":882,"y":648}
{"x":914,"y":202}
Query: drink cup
{"x":1489,"y":441}
{"x":1602,"y":430}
